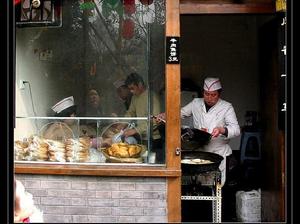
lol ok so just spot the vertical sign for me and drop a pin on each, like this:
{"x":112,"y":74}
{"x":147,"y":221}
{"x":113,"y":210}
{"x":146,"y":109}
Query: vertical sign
{"x":172,"y":50}
{"x":282,"y":107}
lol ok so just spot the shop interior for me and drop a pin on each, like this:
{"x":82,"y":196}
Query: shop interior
{"x":237,"y":48}
{"x":229,"y":47}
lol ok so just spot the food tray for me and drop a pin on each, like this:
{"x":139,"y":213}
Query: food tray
{"x":113,"y":159}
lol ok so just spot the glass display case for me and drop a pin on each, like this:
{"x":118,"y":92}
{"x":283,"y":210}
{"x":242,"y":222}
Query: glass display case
{"x":97,"y":46}
{"x":82,"y":140}
{"x":108,"y":56}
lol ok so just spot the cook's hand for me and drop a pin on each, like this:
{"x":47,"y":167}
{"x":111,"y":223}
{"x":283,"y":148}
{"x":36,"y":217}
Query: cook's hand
{"x":217,"y":131}
{"x":129,"y":132}
{"x":160,"y":117}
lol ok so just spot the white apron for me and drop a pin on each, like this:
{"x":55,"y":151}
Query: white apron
{"x":220,"y":115}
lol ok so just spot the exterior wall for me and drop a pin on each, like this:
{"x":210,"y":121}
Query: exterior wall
{"x":91,"y":199}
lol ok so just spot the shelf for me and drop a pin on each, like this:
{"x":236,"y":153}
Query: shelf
{"x":216,"y":196}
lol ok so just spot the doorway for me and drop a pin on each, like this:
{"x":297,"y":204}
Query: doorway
{"x":229,"y":46}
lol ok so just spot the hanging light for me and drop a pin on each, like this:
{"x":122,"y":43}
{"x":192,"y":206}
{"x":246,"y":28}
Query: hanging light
{"x":146,"y":2}
{"x":128,"y":29}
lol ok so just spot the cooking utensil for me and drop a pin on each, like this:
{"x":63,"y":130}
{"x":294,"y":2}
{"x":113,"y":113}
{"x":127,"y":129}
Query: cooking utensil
{"x":191,"y":138}
{"x":194,"y":169}
{"x":119,"y":137}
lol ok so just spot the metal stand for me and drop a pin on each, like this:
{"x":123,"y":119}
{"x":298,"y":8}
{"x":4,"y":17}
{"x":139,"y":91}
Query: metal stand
{"x":216,"y":196}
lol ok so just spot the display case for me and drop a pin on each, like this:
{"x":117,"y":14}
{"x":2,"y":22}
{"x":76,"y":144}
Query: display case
{"x":99,"y":44}
{"x":83,"y":140}
{"x":108,"y":57}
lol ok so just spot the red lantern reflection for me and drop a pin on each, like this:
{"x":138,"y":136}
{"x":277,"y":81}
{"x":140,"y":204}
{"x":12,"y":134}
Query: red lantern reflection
{"x":146,"y":2}
{"x":128,"y":29}
{"x":129,"y":6}
{"x":16,"y":2}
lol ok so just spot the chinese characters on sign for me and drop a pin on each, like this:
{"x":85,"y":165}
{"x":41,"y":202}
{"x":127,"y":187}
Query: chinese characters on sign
{"x":282,"y":104}
{"x":172,"y":50}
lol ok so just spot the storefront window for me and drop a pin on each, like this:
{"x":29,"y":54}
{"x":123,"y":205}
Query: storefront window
{"x":87,"y":89}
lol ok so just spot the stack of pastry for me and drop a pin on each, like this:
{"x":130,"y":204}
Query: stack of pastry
{"x":21,"y":150}
{"x":31,"y":149}
{"x":57,"y":151}
{"x":38,"y":148}
{"x":77,"y":150}
{"x":28,"y":149}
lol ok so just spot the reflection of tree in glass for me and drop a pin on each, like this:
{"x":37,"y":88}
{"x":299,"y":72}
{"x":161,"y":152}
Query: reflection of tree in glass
{"x":107,"y":27}
{"x":76,"y":16}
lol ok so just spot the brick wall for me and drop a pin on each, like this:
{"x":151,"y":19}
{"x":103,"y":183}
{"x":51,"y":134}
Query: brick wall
{"x":84,"y":199}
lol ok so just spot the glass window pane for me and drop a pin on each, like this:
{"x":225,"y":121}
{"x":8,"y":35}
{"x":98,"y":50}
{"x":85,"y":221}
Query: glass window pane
{"x":104,"y":67}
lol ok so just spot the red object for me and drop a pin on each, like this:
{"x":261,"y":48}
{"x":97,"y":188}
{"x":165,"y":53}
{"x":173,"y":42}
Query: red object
{"x":16,"y":2}
{"x":128,"y":2}
{"x":128,"y":29}
{"x":26,"y":220}
{"x":129,"y":6}
{"x":146,"y":2}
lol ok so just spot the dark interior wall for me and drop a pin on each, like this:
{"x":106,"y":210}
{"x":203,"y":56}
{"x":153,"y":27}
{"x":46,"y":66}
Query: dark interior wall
{"x":224,"y":46}
{"x":230,"y":47}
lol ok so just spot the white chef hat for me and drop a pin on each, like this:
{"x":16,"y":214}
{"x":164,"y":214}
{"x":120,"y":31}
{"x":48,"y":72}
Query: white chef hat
{"x":119,"y":83}
{"x":63,"y":104}
{"x":212,"y":84}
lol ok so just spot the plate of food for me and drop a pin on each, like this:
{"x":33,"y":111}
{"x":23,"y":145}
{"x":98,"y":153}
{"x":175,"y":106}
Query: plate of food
{"x":124,"y":153}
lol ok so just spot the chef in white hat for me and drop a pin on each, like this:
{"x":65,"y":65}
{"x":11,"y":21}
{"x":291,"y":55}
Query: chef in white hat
{"x":65,"y":107}
{"x":70,"y":127}
{"x":63,"y":128}
{"x":215,"y":116}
